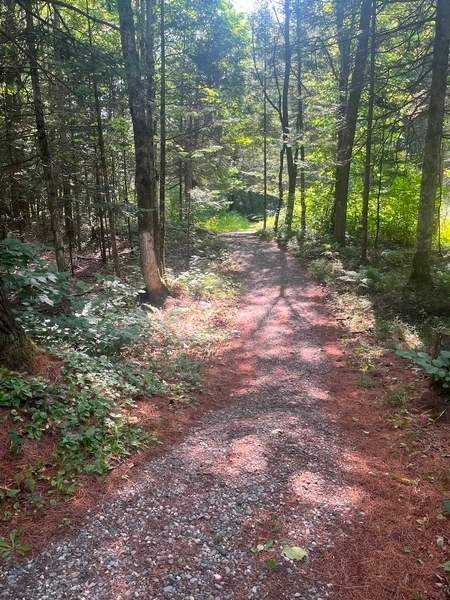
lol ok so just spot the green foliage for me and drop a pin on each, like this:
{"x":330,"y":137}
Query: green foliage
{"x":12,"y":545}
{"x":365,"y":279}
{"x":438,"y":368}
{"x":267,"y":546}
{"x":251,"y":204}
{"x":400,"y":208}
{"x":398,"y":396}
{"x":29,"y":278}
{"x":103,"y":322}
{"x":16,"y":390}
{"x":200,"y":282}
{"x":228,"y":221}
{"x":324,"y":269}
{"x":87,"y":412}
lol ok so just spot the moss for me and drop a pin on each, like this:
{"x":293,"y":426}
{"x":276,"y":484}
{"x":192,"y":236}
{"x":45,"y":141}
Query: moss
{"x":16,"y":353}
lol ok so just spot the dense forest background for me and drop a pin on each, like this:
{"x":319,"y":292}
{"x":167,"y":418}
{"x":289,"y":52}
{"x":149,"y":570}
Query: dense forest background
{"x":128,"y":125}
{"x":309,"y":115}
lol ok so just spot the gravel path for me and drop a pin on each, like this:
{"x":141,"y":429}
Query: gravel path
{"x":268,"y":466}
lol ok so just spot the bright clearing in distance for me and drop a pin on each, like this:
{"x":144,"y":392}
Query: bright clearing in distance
{"x":244,"y":5}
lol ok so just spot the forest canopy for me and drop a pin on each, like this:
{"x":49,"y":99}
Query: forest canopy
{"x":315,"y":117}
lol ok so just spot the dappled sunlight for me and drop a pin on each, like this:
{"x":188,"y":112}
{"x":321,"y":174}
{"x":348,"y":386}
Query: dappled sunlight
{"x":242,"y":456}
{"x":314,"y":489}
{"x":245,"y":455}
{"x":318,"y":393}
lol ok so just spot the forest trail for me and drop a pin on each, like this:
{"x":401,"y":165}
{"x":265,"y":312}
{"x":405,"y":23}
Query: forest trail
{"x":274,"y":467}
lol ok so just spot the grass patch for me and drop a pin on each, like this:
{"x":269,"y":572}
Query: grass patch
{"x":226,"y":221}
{"x":398,"y":396}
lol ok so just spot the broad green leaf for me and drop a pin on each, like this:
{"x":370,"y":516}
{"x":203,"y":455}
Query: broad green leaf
{"x":446,"y":566}
{"x":294,"y":552}
{"x":12,"y":493}
{"x":447,"y":505}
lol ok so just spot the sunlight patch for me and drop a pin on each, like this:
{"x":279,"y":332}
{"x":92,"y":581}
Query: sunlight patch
{"x":313,"y":488}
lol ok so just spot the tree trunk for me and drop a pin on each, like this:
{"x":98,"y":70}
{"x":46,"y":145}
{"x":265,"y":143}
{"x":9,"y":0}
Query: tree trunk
{"x":300,"y":146}
{"x":280,"y":189}
{"x":16,"y":349}
{"x":103,"y":162}
{"x":347,"y":125}
{"x":162,"y":154}
{"x":291,"y":166}
{"x":420,"y":275}
{"x":368,"y":159}
{"x":46,"y":160}
{"x":145,"y":173}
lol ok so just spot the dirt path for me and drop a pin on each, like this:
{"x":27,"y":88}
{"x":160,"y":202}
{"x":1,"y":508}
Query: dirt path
{"x":293,"y":459}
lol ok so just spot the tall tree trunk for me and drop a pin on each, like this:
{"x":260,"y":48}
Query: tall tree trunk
{"x":46,"y":160}
{"x":265,"y":151}
{"x":368,"y":159}
{"x":145,"y":177}
{"x":347,"y":125}
{"x":291,"y":166}
{"x":16,"y":349}
{"x":280,"y":189}
{"x":188,"y":186}
{"x":420,"y":275}
{"x":162,"y":154}
{"x":103,"y":162}
{"x":300,"y":146}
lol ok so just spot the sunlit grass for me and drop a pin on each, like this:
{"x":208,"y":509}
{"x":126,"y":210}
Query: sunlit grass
{"x":229,"y":221}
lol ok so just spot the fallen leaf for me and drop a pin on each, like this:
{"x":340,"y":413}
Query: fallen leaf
{"x":294,"y":552}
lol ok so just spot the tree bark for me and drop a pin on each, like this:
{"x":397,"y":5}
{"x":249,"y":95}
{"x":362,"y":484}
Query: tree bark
{"x":291,"y":165}
{"x":145,"y":177}
{"x":46,"y":159}
{"x":300,"y":145}
{"x":162,"y":153}
{"x":16,"y":349}
{"x":420,"y":276}
{"x":347,"y":126}
{"x":368,"y":159}
{"x":103,"y":162}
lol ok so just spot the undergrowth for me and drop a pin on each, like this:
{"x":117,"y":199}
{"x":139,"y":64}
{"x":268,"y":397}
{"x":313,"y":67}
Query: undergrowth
{"x":374,"y":299}
{"x":103,"y":359}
